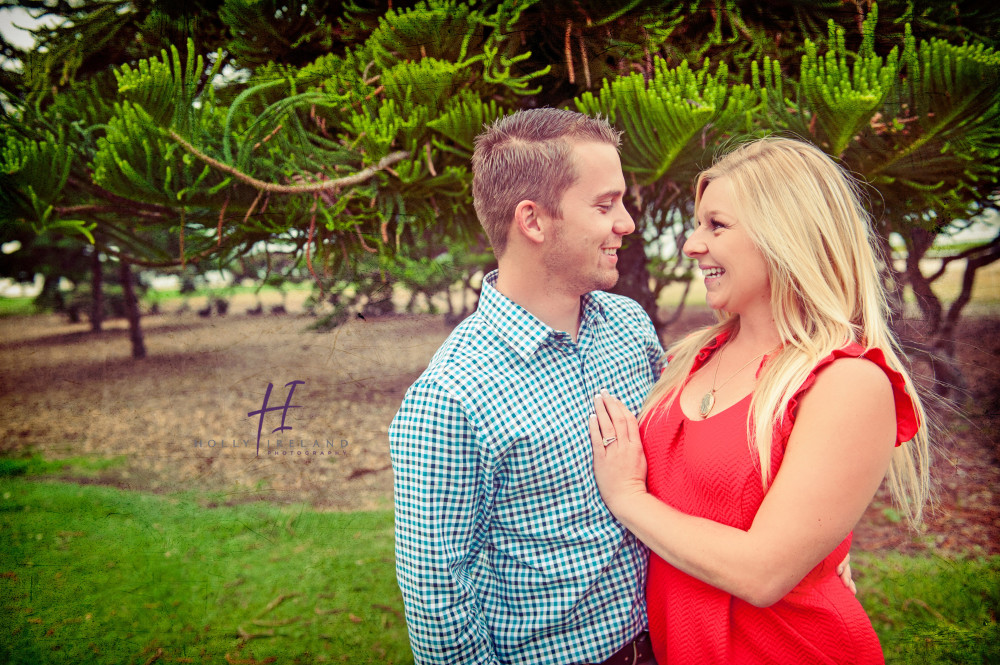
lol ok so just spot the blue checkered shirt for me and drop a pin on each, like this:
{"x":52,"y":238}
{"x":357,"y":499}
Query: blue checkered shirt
{"x":505,"y":552}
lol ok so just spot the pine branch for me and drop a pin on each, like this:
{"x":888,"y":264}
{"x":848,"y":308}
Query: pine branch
{"x":69,"y":211}
{"x":100,"y":192}
{"x":338,"y":183}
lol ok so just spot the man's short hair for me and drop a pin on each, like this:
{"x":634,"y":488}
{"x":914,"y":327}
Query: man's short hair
{"x":528,"y":155}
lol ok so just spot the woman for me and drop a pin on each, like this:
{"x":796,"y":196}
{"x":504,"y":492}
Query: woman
{"x":768,"y":433}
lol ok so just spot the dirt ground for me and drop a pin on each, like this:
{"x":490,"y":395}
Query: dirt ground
{"x":180,"y":416}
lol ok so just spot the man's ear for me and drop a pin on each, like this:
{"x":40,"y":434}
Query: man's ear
{"x":529,"y":222}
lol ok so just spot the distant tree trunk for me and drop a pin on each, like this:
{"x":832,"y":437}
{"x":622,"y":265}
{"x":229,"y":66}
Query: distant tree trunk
{"x":131,"y":310}
{"x":976,"y":258}
{"x":96,"y":292}
{"x":50,"y":296}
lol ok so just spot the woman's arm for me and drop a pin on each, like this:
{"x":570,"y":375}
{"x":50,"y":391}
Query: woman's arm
{"x":837,"y":454}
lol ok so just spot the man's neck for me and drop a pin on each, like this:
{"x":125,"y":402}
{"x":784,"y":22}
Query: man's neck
{"x":541,"y":298}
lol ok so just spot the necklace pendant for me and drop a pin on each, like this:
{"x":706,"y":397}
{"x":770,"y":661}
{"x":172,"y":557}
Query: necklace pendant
{"x":707,"y":402}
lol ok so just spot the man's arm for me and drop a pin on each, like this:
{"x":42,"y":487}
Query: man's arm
{"x":442,"y":502}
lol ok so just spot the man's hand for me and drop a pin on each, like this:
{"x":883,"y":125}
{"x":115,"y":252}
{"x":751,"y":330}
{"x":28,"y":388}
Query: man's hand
{"x":844,"y":572}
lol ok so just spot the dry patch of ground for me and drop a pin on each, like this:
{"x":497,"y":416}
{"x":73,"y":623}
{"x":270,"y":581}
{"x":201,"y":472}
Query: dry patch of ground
{"x":176,"y":415}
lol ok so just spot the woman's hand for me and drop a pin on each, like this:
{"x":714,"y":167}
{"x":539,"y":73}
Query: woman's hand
{"x":619,"y":461}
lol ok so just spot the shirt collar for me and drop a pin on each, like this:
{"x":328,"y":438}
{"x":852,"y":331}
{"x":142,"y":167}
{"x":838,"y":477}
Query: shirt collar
{"x":522,"y":330}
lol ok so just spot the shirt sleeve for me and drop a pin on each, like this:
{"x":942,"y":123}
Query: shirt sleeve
{"x":442,"y":505}
{"x":654,"y":349}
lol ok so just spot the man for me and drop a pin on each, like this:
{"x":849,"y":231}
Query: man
{"x":504,"y":550}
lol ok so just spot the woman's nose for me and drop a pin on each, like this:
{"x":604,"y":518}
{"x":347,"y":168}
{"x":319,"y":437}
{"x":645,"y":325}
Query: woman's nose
{"x":693,"y":245}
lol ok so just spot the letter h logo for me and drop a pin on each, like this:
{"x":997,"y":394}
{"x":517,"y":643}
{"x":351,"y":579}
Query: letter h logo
{"x":266,"y":409}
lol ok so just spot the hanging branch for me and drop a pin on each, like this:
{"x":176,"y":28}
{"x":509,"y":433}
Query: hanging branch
{"x":182,"y":238}
{"x":253,"y":206}
{"x":222,"y":215}
{"x":309,"y":242}
{"x":269,"y":136}
{"x":584,"y":59}
{"x":364,"y":245}
{"x":569,"y":51}
{"x":346,"y":181}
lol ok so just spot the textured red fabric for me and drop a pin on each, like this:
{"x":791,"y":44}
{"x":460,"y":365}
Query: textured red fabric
{"x":706,"y":468}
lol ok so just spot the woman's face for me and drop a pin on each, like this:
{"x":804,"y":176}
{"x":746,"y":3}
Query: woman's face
{"x":736,"y":275}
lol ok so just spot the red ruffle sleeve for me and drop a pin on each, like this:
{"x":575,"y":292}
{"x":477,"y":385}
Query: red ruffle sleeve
{"x":907,"y":421}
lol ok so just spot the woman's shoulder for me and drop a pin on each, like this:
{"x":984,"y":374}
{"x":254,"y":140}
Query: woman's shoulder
{"x":850,"y":379}
{"x":854,"y":377}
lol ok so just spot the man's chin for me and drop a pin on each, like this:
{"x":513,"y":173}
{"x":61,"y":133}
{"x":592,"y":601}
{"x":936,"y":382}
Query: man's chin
{"x":607,"y":282}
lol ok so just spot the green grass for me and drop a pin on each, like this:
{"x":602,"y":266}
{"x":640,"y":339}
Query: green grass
{"x":35,"y":465}
{"x":99,"y":575}
{"x":93,"y":574}
{"x":932,"y":610}
{"x":172,"y":295}
{"x":17,"y":306}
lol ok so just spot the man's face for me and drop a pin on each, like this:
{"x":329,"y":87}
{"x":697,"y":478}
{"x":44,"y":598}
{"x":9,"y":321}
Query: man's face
{"x":580,"y":251}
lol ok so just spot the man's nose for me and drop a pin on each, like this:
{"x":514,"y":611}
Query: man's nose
{"x":624,"y":224}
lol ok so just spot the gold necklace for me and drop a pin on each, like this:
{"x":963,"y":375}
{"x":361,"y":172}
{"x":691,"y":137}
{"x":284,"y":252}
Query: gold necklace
{"x":708,"y":401}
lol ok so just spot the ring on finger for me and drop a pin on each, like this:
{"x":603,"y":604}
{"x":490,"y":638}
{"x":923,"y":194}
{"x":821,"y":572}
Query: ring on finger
{"x":609,"y":440}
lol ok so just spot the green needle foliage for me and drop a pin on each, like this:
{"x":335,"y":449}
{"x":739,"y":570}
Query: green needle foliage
{"x":345,"y":129}
{"x":663,"y":115}
{"x":844,"y":96}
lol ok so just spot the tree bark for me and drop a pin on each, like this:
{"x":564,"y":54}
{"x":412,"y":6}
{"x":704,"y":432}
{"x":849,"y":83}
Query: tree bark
{"x":633,"y":277}
{"x":131,"y":310}
{"x":936,"y":341}
{"x":979,"y":258}
{"x":96,"y":292}
{"x":928,"y":302}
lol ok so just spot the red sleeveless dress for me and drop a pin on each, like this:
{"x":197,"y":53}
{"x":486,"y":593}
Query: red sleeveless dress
{"x":706,"y":468}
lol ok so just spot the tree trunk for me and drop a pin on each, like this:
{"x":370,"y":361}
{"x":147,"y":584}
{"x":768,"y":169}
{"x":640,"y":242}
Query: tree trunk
{"x":131,"y":310}
{"x":892,"y":279}
{"x":928,"y":302}
{"x":633,"y":277}
{"x":96,"y":292}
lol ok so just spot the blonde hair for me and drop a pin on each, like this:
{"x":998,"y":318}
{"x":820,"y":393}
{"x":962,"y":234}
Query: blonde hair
{"x":528,"y":155}
{"x":804,"y":214}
